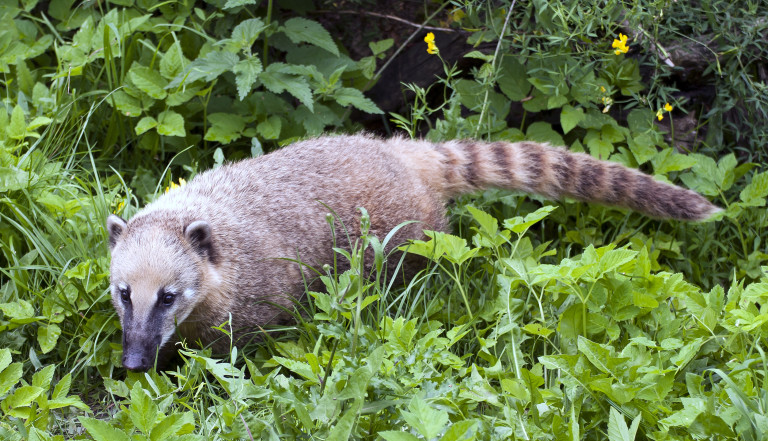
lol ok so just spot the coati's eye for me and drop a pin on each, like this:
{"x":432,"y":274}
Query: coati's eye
{"x":168,"y":298}
{"x":125,"y":295}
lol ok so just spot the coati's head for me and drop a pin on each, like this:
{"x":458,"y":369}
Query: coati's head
{"x":156,"y":278}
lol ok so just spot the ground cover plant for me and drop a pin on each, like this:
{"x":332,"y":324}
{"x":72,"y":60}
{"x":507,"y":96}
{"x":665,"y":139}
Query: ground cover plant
{"x":533,"y":320}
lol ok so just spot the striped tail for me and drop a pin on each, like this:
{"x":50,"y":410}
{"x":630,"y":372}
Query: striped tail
{"x":555,"y":172}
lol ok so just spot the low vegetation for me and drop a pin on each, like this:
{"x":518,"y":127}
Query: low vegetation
{"x":534,"y":320}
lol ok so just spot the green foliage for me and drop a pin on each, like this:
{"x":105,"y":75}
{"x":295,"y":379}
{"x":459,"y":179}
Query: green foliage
{"x":531,"y":322}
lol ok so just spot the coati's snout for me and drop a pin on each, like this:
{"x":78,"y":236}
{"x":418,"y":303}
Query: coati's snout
{"x":156,"y":282}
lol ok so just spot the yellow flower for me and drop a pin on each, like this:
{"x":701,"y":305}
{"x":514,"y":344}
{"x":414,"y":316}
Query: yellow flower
{"x":602,"y":89}
{"x":431,"y":46}
{"x":173,"y":186}
{"x":668,"y":108}
{"x":620,"y":45}
{"x":659,"y":115}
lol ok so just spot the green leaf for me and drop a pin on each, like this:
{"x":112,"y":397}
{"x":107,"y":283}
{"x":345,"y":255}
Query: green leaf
{"x":237,"y":3}
{"x":246,"y":33}
{"x":47,"y":336}
{"x":381,"y":46}
{"x":391,"y":435}
{"x":20,"y":309}
{"x":9,"y":377}
{"x":145,"y":124}
{"x":171,"y":425}
{"x":173,"y":61}
{"x":277,"y":82}
{"x":102,"y":431}
{"x":170,"y":123}
{"x":346,"y":96}
{"x":570,"y":117}
{"x":542,"y":132}
{"x":754,"y":194}
{"x":5,"y":359}
{"x":225,"y":127}
{"x":298,"y":367}
{"x":460,"y":431}
{"x":270,"y":128}
{"x":488,"y":223}
{"x":617,"y":427}
{"x":426,"y":420}
{"x":21,"y":397}
{"x":143,"y":410}
{"x":148,"y":81}
{"x":246,"y":72}
{"x":668,"y":160}
{"x":12,"y":179}
{"x":343,"y":427}
{"x":62,"y":387}
{"x":17,"y":128}
{"x":209,"y":68}
{"x":302,"y":30}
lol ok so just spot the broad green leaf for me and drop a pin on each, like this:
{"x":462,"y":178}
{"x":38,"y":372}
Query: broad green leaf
{"x":488,"y":223}
{"x":754,"y":194}
{"x":12,"y":179}
{"x":426,"y":420}
{"x":237,"y":3}
{"x":519,"y":225}
{"x":513,"y":79}
{"x":343,"y":427}
{"x":225,"y":127}
{"x":21,"y":397}
{"x":542,"y":132}
{"x":381,"y":46}
{"x":47,"y":336}
{"x":148,"y":81}
{"x":277,"y":82}
{"x":667,"y":161}
{"x":143,"y":410}
{"x":246,"y":72}
{"x":537,"y":329}
{"x":170,"y":123}
{"x":570,"y":117}
{"x":302,"y":30}
{"x":173,"y":61}
{"x":62,"y":387}
{"x":127,"y":105}
{"x":298,"y":367}
{"x":347,"y":96}
{"x":169,"y":427}
{"x":246,"y":32}
{"x":5,"y":359}
{"x":9,"y":377}
{"x":102,"y":431}
{"x":20,"y":309}
{"x":270,"y":128}
{"x":44,"y":377}
{"x":391,"y":435}
{"x":17,"y":128}
{"x":145,"y":124}
{"x":209,"y":68}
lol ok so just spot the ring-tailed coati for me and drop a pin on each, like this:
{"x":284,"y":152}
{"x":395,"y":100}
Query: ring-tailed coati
{"x":214,"y":246}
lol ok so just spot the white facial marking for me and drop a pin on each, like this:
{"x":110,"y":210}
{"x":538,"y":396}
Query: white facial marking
{"x":189,"y":293}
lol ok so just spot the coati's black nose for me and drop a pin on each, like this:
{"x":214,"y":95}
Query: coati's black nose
{"x":136,"y":361}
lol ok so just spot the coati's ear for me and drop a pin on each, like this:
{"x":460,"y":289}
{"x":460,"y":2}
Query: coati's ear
{"x":199,"y":235}
{"x":115,"y":227}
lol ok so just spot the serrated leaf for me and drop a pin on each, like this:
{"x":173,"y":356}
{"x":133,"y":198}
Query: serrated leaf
{"x":277,"y":82}
{"x":225,"y":127}
{"x":143,"y":410}
{"x":237,"y":3}
{"x":667,"y":161}
{"x":570,"y":117}
{"x":62,"y":387}
{"x":148,"y":81}
{"x":173,"y":61}
{"x":21,"y":397}
{"x":381,"y":46}
{"x":209,"y":68}
{"x":125,"y":103}
{"x":102,"y":431}
{"x":5,"y":359}
{"x":246,"y":33}
{"x":537,"y":329}
{"x":347,"y":96}
{"x":298,"y":367}
{"x":170,"y":426}
{"x":246,"y":72}
{"x":302,"y":30}
{"x":426,"y":420}
{"x":488,"y":223}
{"x":617,"y":427}
{"x":170,"y":123}
{"x":754,"y":194}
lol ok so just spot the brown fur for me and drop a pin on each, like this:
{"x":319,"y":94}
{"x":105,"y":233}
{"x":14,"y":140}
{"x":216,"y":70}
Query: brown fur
{"x":262,"y":210}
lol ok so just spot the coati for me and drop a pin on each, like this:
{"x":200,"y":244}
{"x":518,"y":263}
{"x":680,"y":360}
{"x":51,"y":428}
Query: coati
{"x":214,"y":247}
